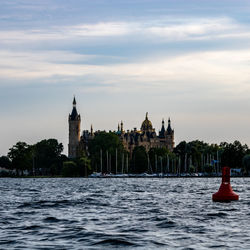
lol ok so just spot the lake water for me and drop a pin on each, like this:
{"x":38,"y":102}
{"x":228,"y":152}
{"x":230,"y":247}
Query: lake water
{"x":130,"y":213}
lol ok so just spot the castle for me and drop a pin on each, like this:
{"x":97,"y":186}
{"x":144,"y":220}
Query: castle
{"x":146,"y":136}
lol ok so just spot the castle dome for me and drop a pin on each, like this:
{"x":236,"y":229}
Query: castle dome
{"x":146,"y":124}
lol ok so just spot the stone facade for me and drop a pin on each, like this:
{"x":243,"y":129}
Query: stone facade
{"x":145,"y":137}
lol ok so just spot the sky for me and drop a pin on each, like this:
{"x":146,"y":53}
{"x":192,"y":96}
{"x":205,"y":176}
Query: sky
{"x":187,"y":60}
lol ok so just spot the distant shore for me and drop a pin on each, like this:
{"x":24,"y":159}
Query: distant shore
{"x":116,"y":177}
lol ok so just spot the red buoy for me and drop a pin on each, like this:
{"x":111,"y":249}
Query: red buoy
{"x":225,"y":192}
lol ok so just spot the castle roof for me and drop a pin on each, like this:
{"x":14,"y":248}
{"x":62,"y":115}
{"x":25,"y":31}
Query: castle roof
{"x":169,"y":129}
{"x":74,"y":115}
{"x":146,"y":124}
{"x":74,"y":101}
{"x":162,"y":131}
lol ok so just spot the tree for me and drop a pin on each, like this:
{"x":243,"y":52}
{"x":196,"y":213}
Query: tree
{"x":181,"y":150}
{"x":192,"y":169}
{"x":84,"y":165}
{"x":196,"y":153}
{"x":109,"y":144}
{"x":21,"y":156}
{"x":246,"y":163}
{"x":70,"y":169}
{"x":47,"y":156}
{"x":158,"y":156}
{"x":5,"y":162}
{"x":233,"y":153}
{"x":139,"y":160}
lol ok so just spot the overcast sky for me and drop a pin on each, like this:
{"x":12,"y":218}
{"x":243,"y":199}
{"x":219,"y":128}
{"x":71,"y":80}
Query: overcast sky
{"x":187,"y":60}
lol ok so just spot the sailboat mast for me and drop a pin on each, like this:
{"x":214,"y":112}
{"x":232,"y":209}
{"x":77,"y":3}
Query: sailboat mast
{"x":122,"y":162}
{"x":101,"y":159}
{"x":116,"y":161}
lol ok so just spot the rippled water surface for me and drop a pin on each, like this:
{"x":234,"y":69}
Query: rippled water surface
{"x":122,"y":213}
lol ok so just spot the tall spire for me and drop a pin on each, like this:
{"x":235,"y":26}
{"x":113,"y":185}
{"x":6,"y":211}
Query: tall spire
{"x":146,"y":116}
{"x":118,"y":128}
{"x":162,"y":131}
{"x":91,"y":130}
{"x":74,"y":102}
{"x":121,"y":126}
{"x":169,"y":129}
{"x":74,"y":113}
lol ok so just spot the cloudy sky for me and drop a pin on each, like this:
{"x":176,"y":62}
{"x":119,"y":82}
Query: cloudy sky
{"x":188,"y":60}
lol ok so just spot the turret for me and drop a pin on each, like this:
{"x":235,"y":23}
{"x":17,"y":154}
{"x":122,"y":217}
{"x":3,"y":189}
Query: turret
{"x":122,"y":131}
{"x":91,"y":130}
{"x":74,"y":132}
{"x":170,"y":136}
{"x":169,"y":129}
{"x":162,"y":131}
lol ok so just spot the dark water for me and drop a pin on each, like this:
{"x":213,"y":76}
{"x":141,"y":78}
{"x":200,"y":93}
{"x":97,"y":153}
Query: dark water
{"x":122,"y":213}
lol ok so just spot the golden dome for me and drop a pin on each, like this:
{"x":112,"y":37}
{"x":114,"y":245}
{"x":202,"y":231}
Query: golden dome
{"x":147,"y":124}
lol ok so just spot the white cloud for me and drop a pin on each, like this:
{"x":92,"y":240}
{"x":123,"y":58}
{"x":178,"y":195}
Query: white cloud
{"x":220,"y":69}
{"x":108,"y":29}
{"x":99,"y":29}
{"x":192,"y":29}
{"x":166,"y":29}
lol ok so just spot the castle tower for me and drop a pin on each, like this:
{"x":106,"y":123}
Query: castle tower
{"x":170,"y":136}
{"x":122,"y":131}
{"x":162,"y":131}
{"x":74,"y":132}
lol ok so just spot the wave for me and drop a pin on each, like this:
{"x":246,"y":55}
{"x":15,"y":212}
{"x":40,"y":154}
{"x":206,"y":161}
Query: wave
{"x":115,"y":242}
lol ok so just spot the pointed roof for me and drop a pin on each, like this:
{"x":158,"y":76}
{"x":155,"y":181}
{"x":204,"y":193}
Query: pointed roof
{"x":169,"y":129}
{"x":91,"y":129}
{"x":74,"y":101}
{"x":162,"y":131}
{"x":74,"y":113}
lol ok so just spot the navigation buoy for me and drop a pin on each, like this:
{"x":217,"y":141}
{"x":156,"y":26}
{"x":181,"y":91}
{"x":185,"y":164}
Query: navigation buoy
{"x":225,"y":192}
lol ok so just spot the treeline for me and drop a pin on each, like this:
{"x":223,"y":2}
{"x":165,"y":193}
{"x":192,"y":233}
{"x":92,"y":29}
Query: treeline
{"x":107,"y":154}
{"x":44,"y":158}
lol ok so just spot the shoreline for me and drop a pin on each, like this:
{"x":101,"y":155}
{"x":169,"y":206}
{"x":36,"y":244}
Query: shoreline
{"x":118,"y":177}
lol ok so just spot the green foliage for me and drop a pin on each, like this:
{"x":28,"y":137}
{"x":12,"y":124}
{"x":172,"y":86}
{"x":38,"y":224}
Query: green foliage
{"x":70,"y":169}
{"x":44,"y":157}
{"x":192,"y":169}
{"x":5,"y":162}
{"x":4,"y":173}
{"x":139,"y":160}
{"x":106,"y":144}
{"x":84,"y":166}
{"x":21,"y":156}
{"x":246,"y":163}
{"x":158,"y":156}
{"x":208,"y":168}
{"x":196,"y":152}
{"x":233,"y":153}
{"x":78,"y":167}
{"x":47,"y":154}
